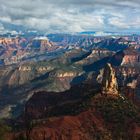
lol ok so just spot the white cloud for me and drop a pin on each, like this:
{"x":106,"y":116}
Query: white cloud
{"x":118,"y":22}
{"x":71,"y":15}
{"x":125,"y":22}
{"x":2,"y":29}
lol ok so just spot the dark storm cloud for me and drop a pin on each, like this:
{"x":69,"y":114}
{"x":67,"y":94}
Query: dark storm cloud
{"x":72,"y":15}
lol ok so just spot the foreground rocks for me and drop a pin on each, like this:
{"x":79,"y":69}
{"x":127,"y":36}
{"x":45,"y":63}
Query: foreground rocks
{"x":105,"y":118}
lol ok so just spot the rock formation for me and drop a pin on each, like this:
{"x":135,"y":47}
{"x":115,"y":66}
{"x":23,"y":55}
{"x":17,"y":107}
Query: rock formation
{"x":131,"y":56}
{"x":109,"y":82}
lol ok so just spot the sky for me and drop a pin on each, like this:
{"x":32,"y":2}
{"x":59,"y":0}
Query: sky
{"x":64,"y":16}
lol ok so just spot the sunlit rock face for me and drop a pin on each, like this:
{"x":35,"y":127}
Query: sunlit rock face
{"x":66,"y":74}
{"x":42,"y":44}
{"x":131,"y":56}
{"x":132,"y":84}
{"x":12,"y":49}
{"x":130,"y":59}
{"x":46,"y":72}
{"x":109,"y":81}
{"x":96,"y":55}
{"x":128,"y":80}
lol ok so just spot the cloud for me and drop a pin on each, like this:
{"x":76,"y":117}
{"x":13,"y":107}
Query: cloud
{"x":127,"y":21}
{"x":1,"y":28}
{"x":72,"y":15}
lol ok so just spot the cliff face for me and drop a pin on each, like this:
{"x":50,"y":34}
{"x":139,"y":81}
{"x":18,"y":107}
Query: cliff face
{"x":128,"y":80}
{"x":109,"y":81}
{"x":32,"y":73}
{"x":99,"y":117}
{"x":84,"y":126}
{"x":66,"y":74}
{"x":131,"y":59}
{"x":14,"y":50}
{"x":73,"y":40}
{"x":113,"y":44}
{"x":127,"y":68}
{"x":81,"y":113}
{"x":42,"y":44}
{"x":96,"y":55}
{"x":131,"y":56}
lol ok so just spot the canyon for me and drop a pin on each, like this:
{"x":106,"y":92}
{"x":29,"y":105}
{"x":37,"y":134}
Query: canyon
{"x":70,"y":87}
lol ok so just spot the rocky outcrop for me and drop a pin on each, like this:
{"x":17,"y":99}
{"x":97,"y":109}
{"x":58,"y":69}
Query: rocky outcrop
{"x":131,"y":58}
{"x":13,"y":50}
{"x":128,"y":79}
{"x":96,"y":55}
{"x":113,"y":44}
{"x":132,"y":84}
{"x":42,"y":44}
{"x":109,"y":81}
{"x":128,"y":56}
{"x":73,"y":40}
{"x":67,"y":74}
{"x":102,"y":118}
{"x":84,"y":126}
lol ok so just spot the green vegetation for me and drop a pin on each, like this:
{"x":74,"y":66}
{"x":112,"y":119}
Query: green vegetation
{"x":3,"y":129}
{"x":118,"y":115}
{"x":116,"y":110}
{"x":21,"y":137}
